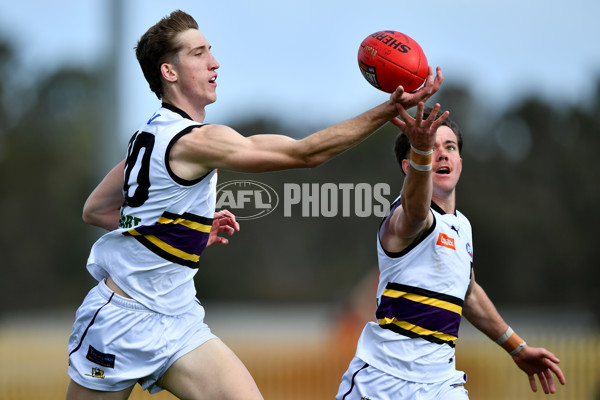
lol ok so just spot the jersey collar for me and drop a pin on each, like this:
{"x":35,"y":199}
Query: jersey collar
{"x":176,"y":110}
{"x":439,"y":209}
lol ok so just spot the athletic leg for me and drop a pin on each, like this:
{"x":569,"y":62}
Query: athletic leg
{"x":210,"y":371}
{"x":77,"y":392}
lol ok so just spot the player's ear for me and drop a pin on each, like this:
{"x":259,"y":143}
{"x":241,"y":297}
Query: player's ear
{"x":405,"y":164}
{"x":168,"y":72}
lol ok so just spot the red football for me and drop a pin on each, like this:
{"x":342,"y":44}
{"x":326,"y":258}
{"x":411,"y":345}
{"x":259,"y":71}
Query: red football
{"x":388,"y":59}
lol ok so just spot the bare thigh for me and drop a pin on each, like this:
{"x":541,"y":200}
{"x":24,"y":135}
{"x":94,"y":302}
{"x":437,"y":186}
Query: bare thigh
{"x":210,"y":371}
{"x":77,"y":392}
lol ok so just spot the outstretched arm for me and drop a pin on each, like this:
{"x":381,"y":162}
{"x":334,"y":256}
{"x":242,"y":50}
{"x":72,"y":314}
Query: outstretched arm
{"x":218,"y":146}
{"x":102,"y":207}
{"x":481,"y":312}
{"x":413,"y":216}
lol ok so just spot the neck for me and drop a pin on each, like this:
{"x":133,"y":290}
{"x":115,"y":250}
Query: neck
{"x":446,"y":203}
{"x":197,"y":113}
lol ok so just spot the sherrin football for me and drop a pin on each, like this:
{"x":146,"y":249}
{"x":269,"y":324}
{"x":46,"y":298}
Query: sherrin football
{"x":388,"y":59}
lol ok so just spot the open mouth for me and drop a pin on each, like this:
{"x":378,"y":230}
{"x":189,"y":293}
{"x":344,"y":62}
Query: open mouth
{"x":443,"y":171}
{"x":213,"y":79}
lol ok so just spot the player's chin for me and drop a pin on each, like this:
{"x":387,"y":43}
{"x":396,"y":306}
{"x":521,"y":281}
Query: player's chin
{"x":211,"y":97}
{"x":444,"y":181}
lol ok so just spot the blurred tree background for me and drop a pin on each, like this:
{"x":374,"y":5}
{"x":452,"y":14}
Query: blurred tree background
{"x":527,"y":187}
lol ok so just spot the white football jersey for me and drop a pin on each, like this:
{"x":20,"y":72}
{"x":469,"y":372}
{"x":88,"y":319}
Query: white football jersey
{"x":420,"y":297}
{"x":165,"y":221}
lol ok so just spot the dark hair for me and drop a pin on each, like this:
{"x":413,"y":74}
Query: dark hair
{"x":160,"y":45}
{"x":402,"y":145}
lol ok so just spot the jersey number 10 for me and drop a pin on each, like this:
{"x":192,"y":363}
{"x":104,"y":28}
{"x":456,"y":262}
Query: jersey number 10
{"x":138,"y":154}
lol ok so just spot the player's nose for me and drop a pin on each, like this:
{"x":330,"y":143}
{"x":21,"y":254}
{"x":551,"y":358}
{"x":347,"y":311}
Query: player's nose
{"x":214,"y":64}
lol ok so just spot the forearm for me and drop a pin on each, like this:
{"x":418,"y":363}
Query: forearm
{"x":327,"y":143}
{"x":416,"y":195}
{"x":481,"y":312}
{"x":102,"y":207}
{"x":218,"y":146}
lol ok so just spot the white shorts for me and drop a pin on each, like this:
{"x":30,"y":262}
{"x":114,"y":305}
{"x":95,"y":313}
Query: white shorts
{"x":363,"y":382}
{"x":117,"y":342}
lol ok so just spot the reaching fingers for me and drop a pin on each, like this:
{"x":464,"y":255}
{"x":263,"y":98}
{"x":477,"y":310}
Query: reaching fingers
{"x":419,"y":114}
{"x":399,"y":123}
{"x":432,"y":85}
{"x":439,"y":78}
{"x":429,"y":82}
{"x":403,"y":113}
{"x":434,"y":112}
{"x":433,"y":121}
{"x":438,"y":122}
{"x":397,"y":95}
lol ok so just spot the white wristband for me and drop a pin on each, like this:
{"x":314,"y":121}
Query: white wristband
{"x":421,"y":152}
{"x":518,"y":349}
{"x":422,"y":168}
{"x":505,"y":336}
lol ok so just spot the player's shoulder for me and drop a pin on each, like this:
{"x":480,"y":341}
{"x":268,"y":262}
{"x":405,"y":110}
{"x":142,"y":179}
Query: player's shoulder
{"x":211,"y":132}
{"x":211,"y":129}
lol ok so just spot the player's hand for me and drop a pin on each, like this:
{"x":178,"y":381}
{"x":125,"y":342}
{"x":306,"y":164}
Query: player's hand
{"x":224,"y":221}
{"x":539,"y":361}
{"x":408,"y":100}
{"x":421,"y":133}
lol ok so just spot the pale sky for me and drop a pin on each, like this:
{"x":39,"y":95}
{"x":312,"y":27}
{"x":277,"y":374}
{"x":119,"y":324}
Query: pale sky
{"x":298,"y":57}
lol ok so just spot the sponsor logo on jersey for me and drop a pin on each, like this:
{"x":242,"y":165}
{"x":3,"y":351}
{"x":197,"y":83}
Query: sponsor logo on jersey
{"x":446,"y":241}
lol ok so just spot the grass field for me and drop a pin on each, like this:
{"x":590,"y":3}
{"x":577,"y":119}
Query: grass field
{"x":295,"y":354}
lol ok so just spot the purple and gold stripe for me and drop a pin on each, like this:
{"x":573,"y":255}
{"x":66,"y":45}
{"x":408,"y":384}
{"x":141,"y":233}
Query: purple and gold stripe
{"x":416,"y":312}
{"x":177,"y":238}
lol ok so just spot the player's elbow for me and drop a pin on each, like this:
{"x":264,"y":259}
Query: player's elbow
{"x":106,"y":219}
{"x":87,"y":214}
{"x":312,"y":161}
{"x":90,"y":217}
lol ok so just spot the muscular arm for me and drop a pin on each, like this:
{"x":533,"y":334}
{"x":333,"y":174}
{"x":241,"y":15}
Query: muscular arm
{"x":218,"y":146}
{"x":102,"y":207}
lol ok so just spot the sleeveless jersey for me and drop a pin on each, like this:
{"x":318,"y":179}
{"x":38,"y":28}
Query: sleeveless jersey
{"x":420,"y":297}
{"x":165,"y":221}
